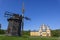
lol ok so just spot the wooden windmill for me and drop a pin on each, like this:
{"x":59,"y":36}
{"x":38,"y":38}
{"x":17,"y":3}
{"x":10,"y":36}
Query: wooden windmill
{"x":15,"y":23}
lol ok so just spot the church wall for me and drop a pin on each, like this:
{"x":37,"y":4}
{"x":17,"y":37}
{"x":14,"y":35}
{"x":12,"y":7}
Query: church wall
{"x":34,"y":34}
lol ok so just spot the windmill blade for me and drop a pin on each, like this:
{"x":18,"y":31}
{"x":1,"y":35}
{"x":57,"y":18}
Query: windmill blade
{"x":8,"y":13}
{"x":27,"y":18}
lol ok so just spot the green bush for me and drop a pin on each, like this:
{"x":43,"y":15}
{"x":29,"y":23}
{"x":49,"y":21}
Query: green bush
{"x":2,"y":32}
{"x":27,"y":33}
{"x":55,"y":33}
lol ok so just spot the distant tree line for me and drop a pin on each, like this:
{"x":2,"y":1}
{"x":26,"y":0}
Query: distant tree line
{"x":55,"y":33}
{"x":27,"y":33}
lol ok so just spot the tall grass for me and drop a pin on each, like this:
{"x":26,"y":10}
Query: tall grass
{"x":27,"y":38}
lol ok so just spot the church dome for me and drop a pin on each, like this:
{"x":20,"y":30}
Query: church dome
{"x":44,"y":27}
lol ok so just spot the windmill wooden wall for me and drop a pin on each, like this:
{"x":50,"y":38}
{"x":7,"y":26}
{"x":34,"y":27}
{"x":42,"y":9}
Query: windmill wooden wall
{"x":14,"y":26}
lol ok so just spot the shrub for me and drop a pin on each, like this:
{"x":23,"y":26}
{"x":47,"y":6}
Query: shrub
{"x":2,"y":32}
{"x":55,"y":33}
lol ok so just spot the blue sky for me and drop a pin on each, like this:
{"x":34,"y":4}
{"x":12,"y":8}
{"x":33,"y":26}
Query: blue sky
{"x":40,"y":11}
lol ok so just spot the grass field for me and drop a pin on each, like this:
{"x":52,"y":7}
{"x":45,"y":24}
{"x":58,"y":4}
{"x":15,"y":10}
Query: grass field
{"x":28,"y":38}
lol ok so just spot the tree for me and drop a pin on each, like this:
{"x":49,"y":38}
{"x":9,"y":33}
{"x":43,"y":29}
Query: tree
{"x":55,"y":33}
{"x":2,"y":31}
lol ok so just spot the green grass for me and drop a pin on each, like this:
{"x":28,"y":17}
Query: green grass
{"x":27,"y":38}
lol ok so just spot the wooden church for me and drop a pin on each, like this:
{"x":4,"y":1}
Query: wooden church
{"x":43,"y":31}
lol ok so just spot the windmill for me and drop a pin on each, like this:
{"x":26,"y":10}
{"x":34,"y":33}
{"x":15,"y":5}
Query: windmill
{"x":15,"y":19}
{"x":15,"y":23}
{"x":23,"y":10}
{"x":22,"y":16}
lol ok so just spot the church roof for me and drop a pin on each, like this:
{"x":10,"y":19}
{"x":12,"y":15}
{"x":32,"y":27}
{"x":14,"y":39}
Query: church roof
{"x":43,"y":26}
